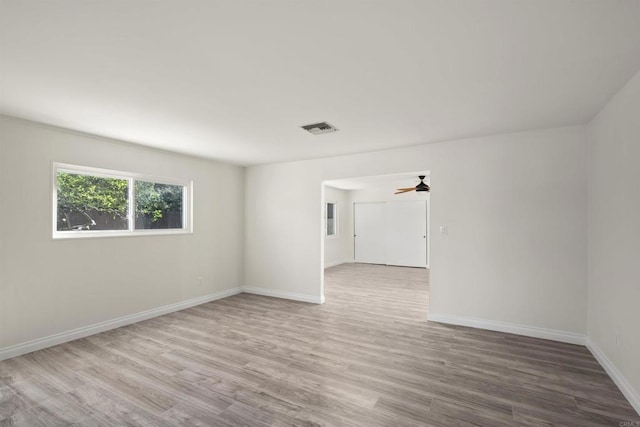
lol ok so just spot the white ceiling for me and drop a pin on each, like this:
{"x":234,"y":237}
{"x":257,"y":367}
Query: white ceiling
{"x":234,"y":80}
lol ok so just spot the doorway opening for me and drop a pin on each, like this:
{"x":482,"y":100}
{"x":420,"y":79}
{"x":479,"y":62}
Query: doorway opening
{"x":366,"y":228}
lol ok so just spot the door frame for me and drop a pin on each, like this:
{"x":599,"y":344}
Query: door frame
{"x":321,"y":209}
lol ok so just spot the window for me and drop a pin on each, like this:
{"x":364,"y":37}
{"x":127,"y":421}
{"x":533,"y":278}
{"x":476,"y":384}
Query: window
{"x":89,"y":202}
{"x":332,"y":219}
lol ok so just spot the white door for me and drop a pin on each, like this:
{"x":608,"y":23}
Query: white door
{"x":369,"y":232}
{"x":406,"y":239}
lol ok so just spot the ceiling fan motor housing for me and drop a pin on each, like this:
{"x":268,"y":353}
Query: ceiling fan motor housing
{"x":422,"y":186}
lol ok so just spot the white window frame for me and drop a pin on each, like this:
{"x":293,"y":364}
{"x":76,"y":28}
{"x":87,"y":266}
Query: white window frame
{"x":335,"y":220}
{"x":187,"y":203}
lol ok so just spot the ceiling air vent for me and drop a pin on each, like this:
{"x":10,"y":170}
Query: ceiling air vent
{"x":319,"y":128}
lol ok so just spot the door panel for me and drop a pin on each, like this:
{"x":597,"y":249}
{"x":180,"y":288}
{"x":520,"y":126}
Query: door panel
{"x":369,"y":231}
{"x":406,"y":233}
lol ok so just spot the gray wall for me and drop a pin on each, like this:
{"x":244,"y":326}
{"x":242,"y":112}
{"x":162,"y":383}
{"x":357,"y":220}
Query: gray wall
{"x":339,"y":249}
{"x":50,"y":286}
{"x":515,"y":206}
{"x":614,"y":236}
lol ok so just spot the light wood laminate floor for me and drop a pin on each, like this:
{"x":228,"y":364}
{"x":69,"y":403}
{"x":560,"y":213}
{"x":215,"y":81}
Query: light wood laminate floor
{"x":367,"y":357}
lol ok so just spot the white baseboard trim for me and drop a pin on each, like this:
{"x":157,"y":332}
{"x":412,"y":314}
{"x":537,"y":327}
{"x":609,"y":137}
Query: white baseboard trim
{"x":338,"y":262}
{"x":51,"y":340}
{"x":632,"y":395}
{"x":511,"y":328}
{"x":286,"y":295}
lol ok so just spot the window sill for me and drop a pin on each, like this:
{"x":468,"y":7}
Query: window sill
{"x":65,"y":235}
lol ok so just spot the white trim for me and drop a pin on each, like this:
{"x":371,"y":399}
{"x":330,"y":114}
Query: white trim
{"x":511,"y":328}
{"x":339,"y":262}
{"x":632,"y":395}
{"x":285,"y":295}
{"x":111,"y":173}
{"x":62,"y":235}
{"x":40,"y":343}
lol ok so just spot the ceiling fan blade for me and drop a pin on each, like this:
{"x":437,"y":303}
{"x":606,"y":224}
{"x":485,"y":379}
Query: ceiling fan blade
{"x":406,"y":190}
